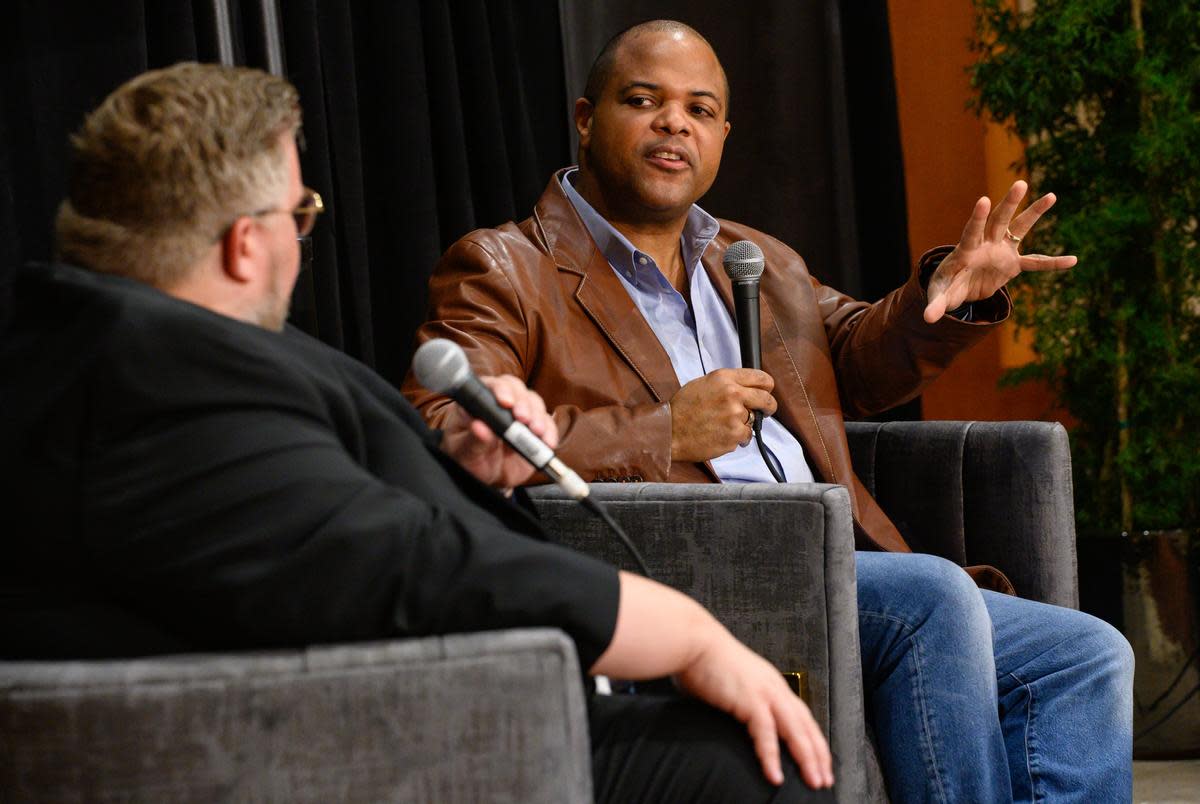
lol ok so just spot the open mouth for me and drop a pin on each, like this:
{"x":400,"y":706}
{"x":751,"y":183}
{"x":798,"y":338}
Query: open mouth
{"x":668,"y":159}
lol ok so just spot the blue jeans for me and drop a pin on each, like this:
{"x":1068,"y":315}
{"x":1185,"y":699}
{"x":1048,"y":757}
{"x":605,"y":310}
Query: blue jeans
{"x":977,"y":696}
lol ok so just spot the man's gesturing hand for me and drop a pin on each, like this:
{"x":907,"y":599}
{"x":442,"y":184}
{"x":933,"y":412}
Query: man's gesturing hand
{"x":482,"y":452}
{"x":709,"y":414}
{"x":986,"y":256}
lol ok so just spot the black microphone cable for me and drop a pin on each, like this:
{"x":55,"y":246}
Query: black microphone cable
{"x":596,"y":508}
{"x":770,"y":460}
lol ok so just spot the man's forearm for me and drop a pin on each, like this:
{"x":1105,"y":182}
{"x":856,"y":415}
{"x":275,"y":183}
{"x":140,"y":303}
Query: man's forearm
{"x":659,"y":631}
{"x":888,"y":353}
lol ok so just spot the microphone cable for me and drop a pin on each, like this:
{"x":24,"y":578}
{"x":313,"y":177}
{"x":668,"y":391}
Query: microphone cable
{"x":597,"y":509}
{"x":772,"y":464}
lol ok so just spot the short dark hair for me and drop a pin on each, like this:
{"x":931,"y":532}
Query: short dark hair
{"x":602,"y":67}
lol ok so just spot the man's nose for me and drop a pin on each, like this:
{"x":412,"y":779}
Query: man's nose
{"x":672,"y":119}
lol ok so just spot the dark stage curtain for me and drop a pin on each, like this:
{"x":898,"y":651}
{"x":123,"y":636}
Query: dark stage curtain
{"x":422,"y":122}
{"x":59,"y":60}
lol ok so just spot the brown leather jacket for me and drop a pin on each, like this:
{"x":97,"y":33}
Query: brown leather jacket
{"x":538,"y":300}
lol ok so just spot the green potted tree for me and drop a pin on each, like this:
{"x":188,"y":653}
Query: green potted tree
{"x":1106,"y":97}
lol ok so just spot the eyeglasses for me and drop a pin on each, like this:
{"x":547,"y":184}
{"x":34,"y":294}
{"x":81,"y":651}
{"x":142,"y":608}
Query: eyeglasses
{"x":305,"y":213}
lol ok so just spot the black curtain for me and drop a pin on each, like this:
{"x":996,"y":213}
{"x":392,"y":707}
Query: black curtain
{"x":58,"y":62}
{"x":422,"y":122}
{"x":873,"y":142}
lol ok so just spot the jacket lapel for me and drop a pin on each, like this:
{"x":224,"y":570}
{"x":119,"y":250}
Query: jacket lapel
{"x":600,"y":293}
{"x":605,"y":299}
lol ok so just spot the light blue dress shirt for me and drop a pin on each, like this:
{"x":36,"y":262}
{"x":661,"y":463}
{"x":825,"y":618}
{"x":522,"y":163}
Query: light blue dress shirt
{"x":698,"y":339}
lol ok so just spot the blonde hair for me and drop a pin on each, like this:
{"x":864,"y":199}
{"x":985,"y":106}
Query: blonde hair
{"x":167,"y":162}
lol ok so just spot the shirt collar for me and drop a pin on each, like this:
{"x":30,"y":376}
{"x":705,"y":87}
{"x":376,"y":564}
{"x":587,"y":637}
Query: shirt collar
{"x":698,"y":232}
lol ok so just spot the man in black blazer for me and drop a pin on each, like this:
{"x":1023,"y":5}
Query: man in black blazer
{"x":186,"y":473}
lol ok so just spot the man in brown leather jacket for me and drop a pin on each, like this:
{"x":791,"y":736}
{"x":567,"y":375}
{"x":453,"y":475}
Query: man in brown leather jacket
{"x":611,"y":302}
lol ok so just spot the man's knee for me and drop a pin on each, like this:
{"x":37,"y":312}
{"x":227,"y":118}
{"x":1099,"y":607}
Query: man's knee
{"x":917,"y":587}
{"x":1105,"y":648}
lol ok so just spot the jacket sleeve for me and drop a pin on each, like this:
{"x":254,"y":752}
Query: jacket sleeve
{"x":247,"y":527}
{"x":478,"y":299}
{"x":885,"y":353}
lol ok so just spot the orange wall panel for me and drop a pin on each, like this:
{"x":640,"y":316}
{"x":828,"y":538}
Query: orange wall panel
{"x":951,"y":157}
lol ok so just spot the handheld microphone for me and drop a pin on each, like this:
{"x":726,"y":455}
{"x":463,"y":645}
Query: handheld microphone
{"x":744,"y":266}
{"x":441,"y":366}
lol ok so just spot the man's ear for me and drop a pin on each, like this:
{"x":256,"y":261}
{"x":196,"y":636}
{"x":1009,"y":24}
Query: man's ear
{"x":583,"y":119}
{"x":239,"y":250}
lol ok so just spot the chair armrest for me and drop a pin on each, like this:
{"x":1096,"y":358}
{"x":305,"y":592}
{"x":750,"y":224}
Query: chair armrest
{"x":994,"y":493}
{"x":460,"y":718}
{"x":774,"y":563}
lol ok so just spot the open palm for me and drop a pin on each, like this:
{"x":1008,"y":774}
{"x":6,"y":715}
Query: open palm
{"x":986,"y":256}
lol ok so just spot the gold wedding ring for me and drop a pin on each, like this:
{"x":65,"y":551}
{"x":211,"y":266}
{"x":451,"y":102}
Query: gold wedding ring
{"x":749,"y":418}
{"x":1008,"y":233}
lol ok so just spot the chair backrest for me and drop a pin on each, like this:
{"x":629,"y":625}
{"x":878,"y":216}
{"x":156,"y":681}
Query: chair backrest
{"x":997,"y":493}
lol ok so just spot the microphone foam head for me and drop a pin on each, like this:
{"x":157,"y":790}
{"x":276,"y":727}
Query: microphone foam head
{"x":441,"y":365}
{"x":743,"y":261}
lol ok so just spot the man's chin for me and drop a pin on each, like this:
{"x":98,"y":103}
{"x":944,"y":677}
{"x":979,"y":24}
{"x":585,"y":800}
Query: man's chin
{"x":669,"y":201}
{"x":666,"y":210}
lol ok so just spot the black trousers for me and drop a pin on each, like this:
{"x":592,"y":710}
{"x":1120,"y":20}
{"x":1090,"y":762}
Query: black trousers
{"x":668,"y":748}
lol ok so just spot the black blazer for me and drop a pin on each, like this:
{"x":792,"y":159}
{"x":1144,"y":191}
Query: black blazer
{"x":178,"y":480}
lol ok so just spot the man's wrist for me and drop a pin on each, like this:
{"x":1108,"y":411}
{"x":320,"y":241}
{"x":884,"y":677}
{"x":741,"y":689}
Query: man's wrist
{"x":966,"y":310}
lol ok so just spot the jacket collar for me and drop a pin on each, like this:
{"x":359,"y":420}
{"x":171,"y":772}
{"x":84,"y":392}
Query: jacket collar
{"x":560,"y":229}
{"x":698,"y":232}
{"x":566,"y":239}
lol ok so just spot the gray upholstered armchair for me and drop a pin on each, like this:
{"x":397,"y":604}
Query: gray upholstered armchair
{"x":776,"y":562}
{"x":500,"y":716}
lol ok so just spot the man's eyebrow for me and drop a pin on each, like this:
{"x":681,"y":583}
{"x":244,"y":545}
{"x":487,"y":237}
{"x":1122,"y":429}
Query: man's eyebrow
{"x":702,"y":93}
{"x":643,"y":84}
